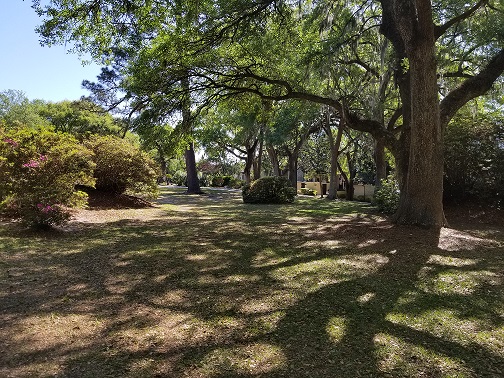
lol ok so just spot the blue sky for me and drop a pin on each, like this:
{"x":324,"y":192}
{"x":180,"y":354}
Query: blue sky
{"x":47,"y":73}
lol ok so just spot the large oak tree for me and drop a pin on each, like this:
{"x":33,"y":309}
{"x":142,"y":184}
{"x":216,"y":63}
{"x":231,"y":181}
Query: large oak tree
{"x":274,"y":49}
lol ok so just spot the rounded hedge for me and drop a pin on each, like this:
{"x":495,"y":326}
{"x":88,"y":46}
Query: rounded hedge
{"x":122,"y":166}
{"x":271,"y":189}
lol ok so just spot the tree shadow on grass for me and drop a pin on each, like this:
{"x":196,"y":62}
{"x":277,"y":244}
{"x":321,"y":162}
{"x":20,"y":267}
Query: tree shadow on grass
{"x":346,"y":327}
{"x":231,"y":294}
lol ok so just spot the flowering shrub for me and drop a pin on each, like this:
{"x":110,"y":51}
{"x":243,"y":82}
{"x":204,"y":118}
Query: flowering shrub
{"x":38,"y":173}
{"x":122,"y":166}
{"x":46,"y":215}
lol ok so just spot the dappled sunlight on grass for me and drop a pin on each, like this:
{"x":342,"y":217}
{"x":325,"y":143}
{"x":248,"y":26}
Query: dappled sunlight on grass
{"x":401,"y":358}
{"x":454,"y":240}
{"x":205,"y":286}
{"x":336,"y":328}
{"x":254,"y":359}
{"x":316,"y":273}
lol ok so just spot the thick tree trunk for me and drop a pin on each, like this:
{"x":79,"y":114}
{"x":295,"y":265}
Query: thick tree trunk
{"x":258,"y":160}
{"x":421,"y":200}
{"x":193,"y":186}
{"x":380,"y":162}
{"x":292,"y":168}
{"x":163,"y":167}
{"x":350,"y":190}
{"x":273,"y":159}
{"x":247,"y":170}
{"x":249,"y":161}
{"x":335,"y":145}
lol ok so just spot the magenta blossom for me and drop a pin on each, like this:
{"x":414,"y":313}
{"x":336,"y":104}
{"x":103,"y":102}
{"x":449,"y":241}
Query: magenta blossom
{"x":11,"y":142}
{"x":31,"y":164}
{"x":45,"y":209}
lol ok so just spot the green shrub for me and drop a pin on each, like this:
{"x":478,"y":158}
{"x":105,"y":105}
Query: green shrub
{"x":218,"y":181}
{"x":386,"y":197}
{"x":205,"y":179}
{"x":269,"y":190}
{"x":235,"y":183}
{"x":39,"y":170}
{"x":180,"y":178}
{"x":474,"y":159}
{"x":362,"y":198}
{"x":226,"y":181}
{"x":122,"y":166}
{"x":308,"y":192}
{"x":341,"y":194}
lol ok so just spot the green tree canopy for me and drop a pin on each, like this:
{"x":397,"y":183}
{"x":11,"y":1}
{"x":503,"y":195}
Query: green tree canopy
{"x":323,"y":51}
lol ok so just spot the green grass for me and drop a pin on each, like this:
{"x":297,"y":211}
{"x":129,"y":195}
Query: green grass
{"x":206,"y":286}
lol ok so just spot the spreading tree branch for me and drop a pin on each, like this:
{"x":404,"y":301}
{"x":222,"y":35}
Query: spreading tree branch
{"x":472,"y":88}
{"x":439,"y":30}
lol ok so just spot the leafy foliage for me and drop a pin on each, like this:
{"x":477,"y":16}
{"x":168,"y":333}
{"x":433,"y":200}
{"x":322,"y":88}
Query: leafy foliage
{"x":179,"y":178}
{"x":81,"y":118}
{"x":229,"y":181}
{"x":308,"y":191}
{"x":198,"y":52}
{"x":474,"y":159}
{"x":386,"y":197}
{"x":122,"y":166}
{"x":38,"y":173}
{"x":272,"y":189}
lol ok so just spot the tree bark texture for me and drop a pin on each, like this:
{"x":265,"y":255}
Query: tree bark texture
{"x":380,"y":162}
{"x":421,"y":200}
{"x":335,"y":145}
{"x":273,"y":159}
{"x":193,"y":186}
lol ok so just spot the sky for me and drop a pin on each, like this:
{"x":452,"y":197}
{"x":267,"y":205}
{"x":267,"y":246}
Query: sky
{"x":46,"y":73}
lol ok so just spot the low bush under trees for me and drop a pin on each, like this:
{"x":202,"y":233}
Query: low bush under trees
{"x":308,"y":192}
{"x":122,"y":166}
{"x":386,"y":198}
{"x":271,"y":189}
{"x":474,"y":160}
{"x":39,"y":170}
{"x":226,"y":181}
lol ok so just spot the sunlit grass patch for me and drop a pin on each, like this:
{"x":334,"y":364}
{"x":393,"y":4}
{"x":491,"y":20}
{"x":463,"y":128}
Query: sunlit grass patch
{"x":445,"y":275}
{"x":336,"y":328}
{"x":399,"y":358}
{"x":456,"y":282}
{"x":318,"y":273}
{"x":255,"y":359}
{"x":448,"y":324}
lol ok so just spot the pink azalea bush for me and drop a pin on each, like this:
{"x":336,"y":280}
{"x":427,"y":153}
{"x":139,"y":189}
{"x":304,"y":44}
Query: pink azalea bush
{"x":39,"y":170}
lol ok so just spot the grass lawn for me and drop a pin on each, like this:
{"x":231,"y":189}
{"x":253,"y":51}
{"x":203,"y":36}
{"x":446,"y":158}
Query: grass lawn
{"x":206,"y":286}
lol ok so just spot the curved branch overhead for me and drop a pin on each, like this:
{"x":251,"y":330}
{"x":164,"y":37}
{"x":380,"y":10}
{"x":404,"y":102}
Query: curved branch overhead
{"x":472,"y":87}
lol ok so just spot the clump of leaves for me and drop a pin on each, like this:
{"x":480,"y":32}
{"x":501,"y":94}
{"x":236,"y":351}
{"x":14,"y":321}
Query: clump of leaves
{"x":271,"y":189}
{"x":308,"y":191}
{"x":122,"y":166}
{"x":386,"y":197}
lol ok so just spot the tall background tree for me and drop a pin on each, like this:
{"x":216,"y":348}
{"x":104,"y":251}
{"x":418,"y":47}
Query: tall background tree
{"x":273,"y":48}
